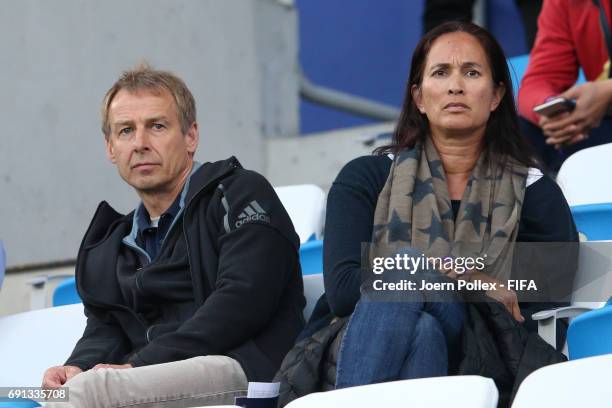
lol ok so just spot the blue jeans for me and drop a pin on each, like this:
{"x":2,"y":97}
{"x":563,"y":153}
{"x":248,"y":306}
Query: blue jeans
{"x":399,"y":340}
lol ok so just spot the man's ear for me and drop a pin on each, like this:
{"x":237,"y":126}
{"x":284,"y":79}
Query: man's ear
{"x":192,"y":138}
{"x":110,"y":150}
{"x":498,"y":95}
{"x":415,"y":91}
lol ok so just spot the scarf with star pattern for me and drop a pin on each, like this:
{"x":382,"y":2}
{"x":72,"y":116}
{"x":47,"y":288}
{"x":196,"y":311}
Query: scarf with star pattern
{"x":414,"y":209}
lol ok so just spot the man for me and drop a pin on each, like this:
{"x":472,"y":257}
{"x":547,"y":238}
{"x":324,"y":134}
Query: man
{"x":570,"y":36}
{"x":199,"y":289}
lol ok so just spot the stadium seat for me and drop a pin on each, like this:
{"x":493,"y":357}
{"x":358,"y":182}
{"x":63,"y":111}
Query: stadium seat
{"x":311,"y":257}
{"x":65,"y":293}
{"x":33,"y":341}
{"x":584,"y":176}
{"x":36,"y":340}
{"x":590,"y":334}
{"x":39,"y":287}
{"x":592,"y":287}
{"x":18,"y":403}
{"x":305,"y":204}
{"x":579,"y":383}
{"x":9,"y":402}
{"x":518,"y":65}
{"x":313,"y":289}
{"x":593,"y":221}
{"x":440,"y":392}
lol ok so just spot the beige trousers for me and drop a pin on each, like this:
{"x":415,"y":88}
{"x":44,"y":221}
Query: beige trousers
{"x":199,"y":381}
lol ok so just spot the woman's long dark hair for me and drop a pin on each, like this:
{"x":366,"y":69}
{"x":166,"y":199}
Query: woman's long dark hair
{"x":502,"y":136}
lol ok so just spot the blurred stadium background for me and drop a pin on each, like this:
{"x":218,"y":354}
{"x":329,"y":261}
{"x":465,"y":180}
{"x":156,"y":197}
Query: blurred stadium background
{"x":247,"y":63}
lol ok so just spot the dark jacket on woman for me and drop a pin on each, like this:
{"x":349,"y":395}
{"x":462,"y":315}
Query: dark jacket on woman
{"x":494,"y":344}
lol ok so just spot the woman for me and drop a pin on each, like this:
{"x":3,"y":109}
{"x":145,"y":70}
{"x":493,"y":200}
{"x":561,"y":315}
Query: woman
{"x":461,"y":176}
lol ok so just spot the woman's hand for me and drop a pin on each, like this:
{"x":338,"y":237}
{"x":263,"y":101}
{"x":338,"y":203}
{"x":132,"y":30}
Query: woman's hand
{"x":503,"y":295}
{"x":507,"y":298}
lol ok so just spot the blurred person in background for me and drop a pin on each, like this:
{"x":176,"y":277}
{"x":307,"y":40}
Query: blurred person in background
{"x":572,"y":34}
{"x":440,"y":11}
{"x":199,"y":289}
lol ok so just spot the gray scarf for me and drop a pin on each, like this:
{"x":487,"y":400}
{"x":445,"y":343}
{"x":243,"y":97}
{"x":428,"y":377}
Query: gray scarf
{"x":414,"y":209}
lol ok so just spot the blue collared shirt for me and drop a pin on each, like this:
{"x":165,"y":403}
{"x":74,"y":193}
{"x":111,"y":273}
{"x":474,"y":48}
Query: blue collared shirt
{"x":150,"y":235}
{"x":148,"y":238}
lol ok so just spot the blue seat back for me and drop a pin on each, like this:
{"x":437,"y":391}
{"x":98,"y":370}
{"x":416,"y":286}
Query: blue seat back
{"x":66,"y":293}
{"x":590,"y":334}
{"x":594,"y":220}
{"x":517,"y":67}
{"x":311,"y":257}
{"x":18,"y":403}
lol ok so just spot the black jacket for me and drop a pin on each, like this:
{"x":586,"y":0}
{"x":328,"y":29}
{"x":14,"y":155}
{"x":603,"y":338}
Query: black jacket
{"x":244,"y":267}
{"x":494,"y":345}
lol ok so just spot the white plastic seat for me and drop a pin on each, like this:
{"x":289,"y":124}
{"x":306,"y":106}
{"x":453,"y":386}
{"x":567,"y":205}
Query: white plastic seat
{"x":33,"y":341}
{"x":585,"y":176}
{"x":440,"y":392}
{"x":584,"y":180}
{"x":577,"y":383}
{"x":592,"y":287}
{"x":305,"y":204}
{"x":313,"y":289}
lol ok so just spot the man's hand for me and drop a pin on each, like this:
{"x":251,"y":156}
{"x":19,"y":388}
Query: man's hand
{"x":116,"y":366}
{"x":592,"y":102}
{"x":55,"y":377}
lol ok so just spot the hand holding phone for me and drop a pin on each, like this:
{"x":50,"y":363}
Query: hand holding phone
{"x":555,"y":106}
{"x":591,"y":102}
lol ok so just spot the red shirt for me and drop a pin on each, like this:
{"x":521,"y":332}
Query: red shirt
{"x":569,"y":37}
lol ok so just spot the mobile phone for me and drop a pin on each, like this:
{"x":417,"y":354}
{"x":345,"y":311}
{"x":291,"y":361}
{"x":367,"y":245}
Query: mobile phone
{"x":555,"y":106}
